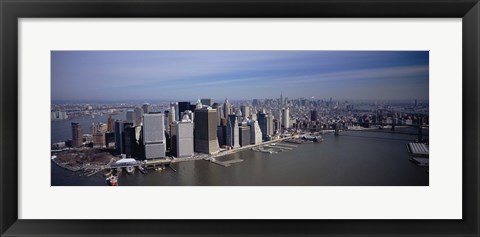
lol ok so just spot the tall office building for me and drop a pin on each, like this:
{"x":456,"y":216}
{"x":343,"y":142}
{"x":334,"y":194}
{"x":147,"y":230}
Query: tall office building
{"x":130,"y":116}
{"x":110,"y":124}
{"x":244,"y":134}
{"x":222,"y":135}
{"x":189,"y":113}
{"x":182,"y":138}
{"x":255,"y":132}
{"x":138,"y":114}
{"x":277,"y":114}
{"x":99,"y":128}
{"x":172,"y":116}
{"x":182,"y":106}
{"x":198,"y":105}
{"x":285,"y":118}
{"x":239,"y":115}
{"x":281,"y":99}
{"x":270,"y":125}
{"x":130,"y":142}
{"x":245,"y":111}
{"x":98,"y":139}
{"x":255,"y":102}
{"x":227,"y":108}
{"x":177,"y":115}
{"x":277,"y":125}
{"x":219,"y":109}
{"x":253,"y":114}
{"x":313,"y":115}
{"x":154,"y":135}
{"x":119,"y":136}
{"x":262,"y":123}
{"x":232,"y":132}
{"x":147,"y":108}
{"x":59,"y":115}
{"x":77,"y":135}
{"x":98,"y":131}
{"x":110,"y":139}
{"x":207,"y":101}
{"x":205,"y":131}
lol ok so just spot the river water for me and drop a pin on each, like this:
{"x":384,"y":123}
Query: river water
{"x":350,"y":159}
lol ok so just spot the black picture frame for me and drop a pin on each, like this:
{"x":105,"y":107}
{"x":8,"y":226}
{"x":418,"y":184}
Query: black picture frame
{"x":11,"y":11}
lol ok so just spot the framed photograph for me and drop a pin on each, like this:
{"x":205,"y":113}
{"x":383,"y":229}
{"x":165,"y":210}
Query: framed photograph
{"x":239,"y":118}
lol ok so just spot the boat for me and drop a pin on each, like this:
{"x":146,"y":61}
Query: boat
{"x":112,"y":180}
{"x":130,"y":169}
{"x":313,"y":138}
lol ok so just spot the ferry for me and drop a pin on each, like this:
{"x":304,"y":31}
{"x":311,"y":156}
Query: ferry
{"x":313,"y":138}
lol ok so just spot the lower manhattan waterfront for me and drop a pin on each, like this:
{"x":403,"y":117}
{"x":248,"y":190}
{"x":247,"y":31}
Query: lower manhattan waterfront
{"x":239,"y":118}
{"x":353,"y":158}
{"x":367,"y":161}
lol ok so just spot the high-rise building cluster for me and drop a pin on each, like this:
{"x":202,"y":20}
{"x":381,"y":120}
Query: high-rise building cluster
{"x":58,"y":115}
{"x":185,"y":128}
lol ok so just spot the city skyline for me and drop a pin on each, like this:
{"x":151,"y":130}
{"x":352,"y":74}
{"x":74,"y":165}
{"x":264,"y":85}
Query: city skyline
{"x":238,"y":75}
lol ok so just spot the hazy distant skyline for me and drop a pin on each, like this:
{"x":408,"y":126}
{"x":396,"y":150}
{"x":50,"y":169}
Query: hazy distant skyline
{"x":184,"y":75}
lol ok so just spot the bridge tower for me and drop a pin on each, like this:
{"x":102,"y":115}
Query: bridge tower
{"x":394,"y":122}
{"x":420,"y":132}
{"x":336,"y":129}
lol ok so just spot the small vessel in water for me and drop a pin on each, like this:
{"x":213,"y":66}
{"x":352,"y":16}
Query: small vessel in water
{"x":112,"y":180}
{"x":130,"y":169}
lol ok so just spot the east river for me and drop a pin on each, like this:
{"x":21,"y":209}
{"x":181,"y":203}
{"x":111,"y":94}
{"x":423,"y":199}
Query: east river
{"x":354,"y":158}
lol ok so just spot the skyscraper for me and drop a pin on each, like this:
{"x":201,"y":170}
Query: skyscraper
{"x":219,"y":109}
{"x":77,"y":135}
{"x":110,"y":124}
{"x":130,"y":142}
{"x":281,"y":99}
{"x":244,"y":134}
{"x":262,"y":123}
{"x":198,"y":105}
{"x":285,"y":118}
{"x":119,"y":136}
{"x":232,"y":132}
{"x":255,"y":132}
{"x":182,"y":138}
{"x":245,"y":111}
{"x":221,"y":135}
{"x":189,"y":113}
{"x":227,"y":108}
{"x":154,"y":135}
{"x":98,"y":134}
{"x":313,"y":115}
{"x":182,"y":106}
{"x":207,"y":101}
{"x":110,"y":139}
{"x":205,"y":131}
{"x":130,"y":116}
{"x":138,"y":116}
{"x":59,"y":115}
{"x":172,"y":116}
{"x":270,"y":125}
{"x":147,"y":108}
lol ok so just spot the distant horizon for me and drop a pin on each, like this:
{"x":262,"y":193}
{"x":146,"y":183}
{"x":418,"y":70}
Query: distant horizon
{"x":220,"y":101}
{"x":115,"y":76}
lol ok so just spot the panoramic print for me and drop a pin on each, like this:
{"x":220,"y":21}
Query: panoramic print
{"x":239,"y":118}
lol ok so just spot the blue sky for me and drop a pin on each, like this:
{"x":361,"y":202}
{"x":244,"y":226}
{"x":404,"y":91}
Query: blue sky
{"x":188,"y":75}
